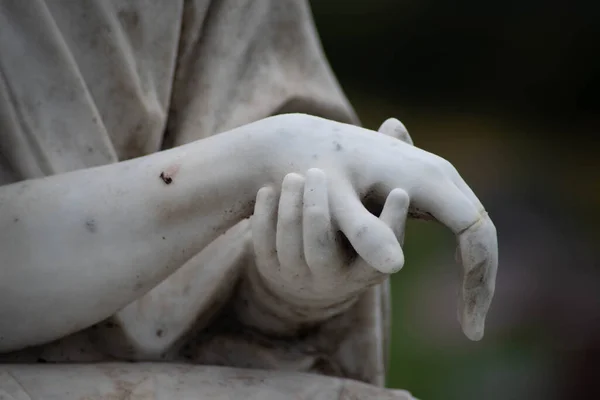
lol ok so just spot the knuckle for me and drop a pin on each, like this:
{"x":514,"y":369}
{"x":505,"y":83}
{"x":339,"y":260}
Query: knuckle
{"x":438,"y":169}
{"x":444,"y":165}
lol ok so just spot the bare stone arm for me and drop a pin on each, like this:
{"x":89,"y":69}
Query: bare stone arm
{"x":78,"y":247}
{"x":127,"y":226}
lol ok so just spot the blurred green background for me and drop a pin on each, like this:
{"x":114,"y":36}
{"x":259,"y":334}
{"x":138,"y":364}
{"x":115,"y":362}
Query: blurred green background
{"x":508,"y":92}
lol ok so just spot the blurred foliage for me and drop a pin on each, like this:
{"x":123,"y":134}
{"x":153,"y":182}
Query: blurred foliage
{"x":534,"y":57}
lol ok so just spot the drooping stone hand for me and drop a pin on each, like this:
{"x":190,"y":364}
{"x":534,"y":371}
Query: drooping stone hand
{"x":351,"y":163}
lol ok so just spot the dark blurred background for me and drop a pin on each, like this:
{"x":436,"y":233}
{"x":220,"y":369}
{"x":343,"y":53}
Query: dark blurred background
{"x":508,"y":92}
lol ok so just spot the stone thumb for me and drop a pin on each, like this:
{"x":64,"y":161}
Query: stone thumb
{"x":370,"y":237}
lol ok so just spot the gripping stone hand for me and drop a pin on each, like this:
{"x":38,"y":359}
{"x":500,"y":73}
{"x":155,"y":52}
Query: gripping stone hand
{"x":299,"y":253}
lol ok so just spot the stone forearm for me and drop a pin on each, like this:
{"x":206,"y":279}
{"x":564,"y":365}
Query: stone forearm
{"x":79,"y":246}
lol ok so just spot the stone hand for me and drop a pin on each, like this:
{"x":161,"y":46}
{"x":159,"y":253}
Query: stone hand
{"x":357,"y":164}
{"x":300,"y":255}
{"x":308,"y":272}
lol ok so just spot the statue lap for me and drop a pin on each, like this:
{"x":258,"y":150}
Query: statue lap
{"x":159,"y":381}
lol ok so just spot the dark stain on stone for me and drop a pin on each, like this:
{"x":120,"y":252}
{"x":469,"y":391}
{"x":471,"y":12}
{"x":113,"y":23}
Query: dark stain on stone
{"x":91,"y":226}
{"x":168,"y":174}
{"x":166,"y":178}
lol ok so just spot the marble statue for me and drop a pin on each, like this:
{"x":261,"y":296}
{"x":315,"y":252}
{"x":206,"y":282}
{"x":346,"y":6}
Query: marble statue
{"x":190,"y":209}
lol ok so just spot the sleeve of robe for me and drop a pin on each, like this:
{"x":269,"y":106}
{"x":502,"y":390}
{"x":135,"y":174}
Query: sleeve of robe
{"x":243,"y":60}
